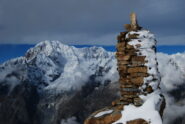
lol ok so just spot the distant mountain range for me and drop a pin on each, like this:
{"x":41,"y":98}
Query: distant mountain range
{"x":55,"y":83}
{"x":9,"y":51}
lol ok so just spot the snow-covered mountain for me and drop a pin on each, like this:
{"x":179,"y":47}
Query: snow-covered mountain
{"x":55,"y":66}
{"x":65,"y":79}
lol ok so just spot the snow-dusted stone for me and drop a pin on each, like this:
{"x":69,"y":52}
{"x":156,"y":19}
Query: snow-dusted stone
{"x":141,"y":73}
{"x":141,"y":100}
{"x":104,"y":116}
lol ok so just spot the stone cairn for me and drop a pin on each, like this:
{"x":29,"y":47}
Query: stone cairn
{"x":131,"y":67}
{"x":132,"y":70}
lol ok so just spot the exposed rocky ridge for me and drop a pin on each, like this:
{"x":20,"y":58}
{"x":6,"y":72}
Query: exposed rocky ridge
{"x":49,"y":105}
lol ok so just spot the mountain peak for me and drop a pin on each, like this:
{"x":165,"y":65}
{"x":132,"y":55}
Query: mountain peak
{"x":53,"y":65}
{"x":45,"y":47}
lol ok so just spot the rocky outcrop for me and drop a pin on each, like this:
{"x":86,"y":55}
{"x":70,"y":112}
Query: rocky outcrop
{"x":137,"y":121}
{"x":87,"y":100}
{"x":139,"y":80}
{"x":110,"y":114}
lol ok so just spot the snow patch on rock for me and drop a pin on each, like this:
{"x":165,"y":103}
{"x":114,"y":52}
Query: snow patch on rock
{"x":148,"y":111}
{"x":147,"y":43}
{"x":103,"y":113}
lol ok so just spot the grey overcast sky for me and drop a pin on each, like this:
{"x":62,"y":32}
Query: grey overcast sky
{"x":89,"y":21}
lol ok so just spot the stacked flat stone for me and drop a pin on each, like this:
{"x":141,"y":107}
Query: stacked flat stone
{"x":131,"y":68}
{"x":138,"y":78}
{"x":132,"y":65}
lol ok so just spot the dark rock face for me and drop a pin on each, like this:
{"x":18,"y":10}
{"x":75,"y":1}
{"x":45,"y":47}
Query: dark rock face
{"x":82,"y":104}
{"x":179,"y":95}
{"x":19,"y":106}
{"x":24,"y":105}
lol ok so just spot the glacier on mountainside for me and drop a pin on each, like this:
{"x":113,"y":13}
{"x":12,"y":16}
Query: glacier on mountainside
{"x":53,"y":65}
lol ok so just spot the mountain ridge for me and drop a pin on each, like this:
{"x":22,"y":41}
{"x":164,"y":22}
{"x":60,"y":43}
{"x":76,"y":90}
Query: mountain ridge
{"x":63,"y":74}
{"x":16,"y":50}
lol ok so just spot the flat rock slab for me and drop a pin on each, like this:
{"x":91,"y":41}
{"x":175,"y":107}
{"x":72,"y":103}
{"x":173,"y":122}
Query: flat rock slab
{"x":106,"y":118}
{"x":137,"y":121}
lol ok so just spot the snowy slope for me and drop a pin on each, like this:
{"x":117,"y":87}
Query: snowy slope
{"x":53,"y":65}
